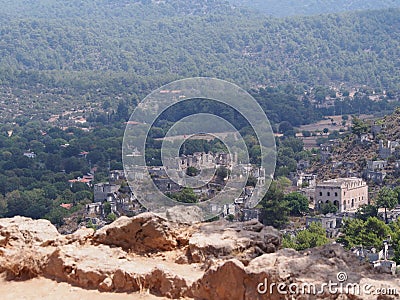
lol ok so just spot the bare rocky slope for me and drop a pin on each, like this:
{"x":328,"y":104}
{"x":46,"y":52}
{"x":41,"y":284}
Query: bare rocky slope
{"x":218,"y":260}
{"x":350,"y":149}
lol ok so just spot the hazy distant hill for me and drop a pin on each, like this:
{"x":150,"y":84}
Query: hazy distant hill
{"x":281,"y":8}
{"x":87,"y":45}
{"x":150,"y":9}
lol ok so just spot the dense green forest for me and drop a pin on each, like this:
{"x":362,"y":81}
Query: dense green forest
{"x":130,"y":47}
{"x":36,"y":186}
{"x":282,"y":8}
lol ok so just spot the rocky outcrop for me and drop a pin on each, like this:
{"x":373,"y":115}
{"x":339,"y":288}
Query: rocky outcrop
{"x":184,"y":214}
{"x":23,"y":245}
{"x":219,"y":260}
{"x":226,"y":240}
{"x":297,"y":273}
{"x":145,"y":233}
{"x":112,"y":269}
{"x":21,"y":231}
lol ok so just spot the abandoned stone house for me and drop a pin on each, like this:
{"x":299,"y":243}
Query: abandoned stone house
{"x":303,"y":164}
{"x":229,"y":209}
{"x":379,"y":259}
{"x":325,"y":152}
{"x":374,"y":165}
{"x":116,"y":175}
{"x":161,"y":179}
{"x":308,"y":192}
{"x":301,"y":179}
{"x":166,"y":184}
{"x":30,"y":154}
{"x":394,"y":214}
{"x":328,"y":221}
{"x":366,"y":138}
{"x":97,"y":209}
{"x":348,"y":194}
{"x":375,"y":171}
{"x":224,"y":159}
{"x":94,"y":209}
{"x":331,"y":223}
{"x":198,"y":160}
{"x":105,"y":191}
{"x":374,"y":176}
{"x":259,"y":174}
{"x":387,"y":148}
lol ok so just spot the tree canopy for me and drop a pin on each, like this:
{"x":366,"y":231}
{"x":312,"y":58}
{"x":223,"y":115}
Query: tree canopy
{"x":297,"y":203}
{"x":369,"y":233}
{"x":313,"y":236}
{"x":387,"y":198}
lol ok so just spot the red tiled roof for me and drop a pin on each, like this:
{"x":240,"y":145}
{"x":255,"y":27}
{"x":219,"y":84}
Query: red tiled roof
{"x":85,"y":180}
{"x":66,"y":205}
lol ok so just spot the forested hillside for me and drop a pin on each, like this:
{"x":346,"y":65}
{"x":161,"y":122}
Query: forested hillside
{"x":135,"y":45}
{"x":282,"y":8}
{"x":58,"y":9}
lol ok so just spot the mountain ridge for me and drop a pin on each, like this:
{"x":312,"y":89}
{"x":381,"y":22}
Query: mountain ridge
{"x":285,"y":8}
{"x":355,"y":48}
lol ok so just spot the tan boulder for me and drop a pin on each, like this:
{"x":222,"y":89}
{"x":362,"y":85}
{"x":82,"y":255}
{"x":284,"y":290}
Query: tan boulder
{"x":26,"y":231}
{"x":319,"y":266}
{"x":82,"y":235}
{"x":236,"y":260}
{"x":144,"y":233}
{"x":223,"y":239}
{"x":112,"y":269}
{"x":23,"y":246}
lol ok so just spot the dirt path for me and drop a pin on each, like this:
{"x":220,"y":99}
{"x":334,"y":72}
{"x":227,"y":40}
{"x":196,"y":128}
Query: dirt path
{"x":46,"y":289}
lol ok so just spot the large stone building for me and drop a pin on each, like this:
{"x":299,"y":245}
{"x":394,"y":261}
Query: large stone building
{"x":347,"y":194}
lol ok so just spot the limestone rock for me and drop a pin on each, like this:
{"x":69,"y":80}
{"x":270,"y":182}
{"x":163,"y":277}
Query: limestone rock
{"x":111,"y":269}
{"x":106,"y":285}
{"x":24,"y":231}
{"x":232,"y":280}
{"x":23,"y":246}
{"x":82,"y":235}
{"x":222,"y":281}
{"x":144,"y":233}
{"x":222,"y":239}
{"x":184,"y":214}
{"x":235,"y":258}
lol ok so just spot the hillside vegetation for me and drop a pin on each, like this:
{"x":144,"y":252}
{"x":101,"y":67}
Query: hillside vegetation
{"x":137,"y":45}
{"x":351,"y":150}
{"x":284,"y":8}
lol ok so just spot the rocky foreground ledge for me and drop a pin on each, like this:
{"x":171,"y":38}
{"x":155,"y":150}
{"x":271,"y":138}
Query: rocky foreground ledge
{"x":219,"y":260}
